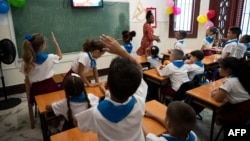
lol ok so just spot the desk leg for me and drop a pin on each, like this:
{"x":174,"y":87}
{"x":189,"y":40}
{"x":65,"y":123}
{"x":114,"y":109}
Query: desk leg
{"x":212,"y":125}
{"x":44,"y":127}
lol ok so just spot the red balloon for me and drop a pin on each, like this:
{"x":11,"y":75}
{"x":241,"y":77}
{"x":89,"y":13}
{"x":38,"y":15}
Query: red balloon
{"x":210,"y":14}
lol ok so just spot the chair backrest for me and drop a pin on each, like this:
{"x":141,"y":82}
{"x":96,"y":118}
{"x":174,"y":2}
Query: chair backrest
{"x":200,"y":79}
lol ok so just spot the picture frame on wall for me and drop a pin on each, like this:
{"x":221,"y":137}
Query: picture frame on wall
{"x":154,"y":25}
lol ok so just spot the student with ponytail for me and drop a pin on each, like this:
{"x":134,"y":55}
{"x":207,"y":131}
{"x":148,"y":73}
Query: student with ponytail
{"x":86,"y":61}
{"x":77,"y":100}
{"x":38,"y":66}
{"x":127,"y":37}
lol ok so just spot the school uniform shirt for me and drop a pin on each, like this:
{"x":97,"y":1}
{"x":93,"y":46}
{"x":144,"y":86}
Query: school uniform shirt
{"x":84,"y":59}
{"x":228,"y":47}
{"x":208,"y":42}
{"x":128,"y":47}
{"x":166,"y":137}
{"x":42,"y":71}
{"x":236,"y":92}
{"x":180,"y":45}
{"x":177,"y":75}
{"x":154,"y":62}
{"x":195,"y":68}
{"x":61,"y":108}
{"x":239,"y":51}
{"x":128,"y":128}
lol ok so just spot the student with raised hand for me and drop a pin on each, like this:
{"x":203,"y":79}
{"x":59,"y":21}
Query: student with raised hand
{"x":148,"y":36}
{"x":176,"y":71}
{"x":77,"y":100}
{"x":38,"y":66}
{"x":119,"y":115}
{"x":211,"y":38}
{"x":235,"y":91}
{"x":86,"y":61}
{"x":127,"y":37}
{"x":180,"y":120}
{"x":194,"y":64}
{"x":230,"y":46}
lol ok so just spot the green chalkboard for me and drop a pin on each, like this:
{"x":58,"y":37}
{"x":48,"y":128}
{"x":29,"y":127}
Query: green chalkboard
{"x":71,"y":26}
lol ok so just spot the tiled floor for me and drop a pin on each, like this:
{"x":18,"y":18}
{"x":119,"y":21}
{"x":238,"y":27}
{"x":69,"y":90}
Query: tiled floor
{"x":15,"y":125}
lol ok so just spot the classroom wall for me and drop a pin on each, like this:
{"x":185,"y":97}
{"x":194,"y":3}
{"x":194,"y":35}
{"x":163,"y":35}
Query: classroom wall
{"x":11,"y":72}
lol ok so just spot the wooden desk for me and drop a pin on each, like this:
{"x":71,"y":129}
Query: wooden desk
{"x":143,"y":61}
{"x":74,"y":135}
{"x":160,"y":110}
{"x":201,"y":95}
{"x":211,"y":61}
{"x":154,"y":127}
{"x":153,"y":76}
{"x":216,"y":50}
{"x":47,"y":99}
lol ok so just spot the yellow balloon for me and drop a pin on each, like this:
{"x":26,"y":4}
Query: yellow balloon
{"x":202,"y":19}
{"x":169,"y":10}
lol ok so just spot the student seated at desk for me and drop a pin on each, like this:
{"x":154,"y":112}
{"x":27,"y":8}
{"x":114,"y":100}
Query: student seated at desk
{"x":176,"y":71}
{"x":77,"y":100}
{"x":235,"y":92}
{"x":86,"y":61}
{"x":231,"y":47}
{"x":154,"y":59}
{"x":119,"y":116}
{"x":194,"y":64}
{"x":210,"y":39}
{"x":179,"y":120}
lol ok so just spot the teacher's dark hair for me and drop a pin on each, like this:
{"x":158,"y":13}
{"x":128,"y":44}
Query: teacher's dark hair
{"x":149,"y":13}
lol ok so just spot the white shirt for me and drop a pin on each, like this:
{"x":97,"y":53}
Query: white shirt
{"x":180,"y":45}
{"x":84,"y":59}
{"x":238,"y":51}
{"x":128,"y":129}
{"x":206,"y":44}
{"x":176,"y":75}
{"x":154,"y":62}
{"x":228,"y":48}
{"x":42,"y":71}
{"x":236,"y":92}
{"x":194,"y":69}
{"x":61,"y":108}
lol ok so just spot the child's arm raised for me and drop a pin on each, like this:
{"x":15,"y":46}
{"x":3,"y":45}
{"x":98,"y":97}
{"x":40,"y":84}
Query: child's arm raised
{"x":57,"y":47}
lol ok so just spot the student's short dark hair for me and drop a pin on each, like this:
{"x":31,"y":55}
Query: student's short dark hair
{"x":177,"y":54}
{"x":182,"y":116}
{"x":124,"y":77}
{"x":154,"y":51}
{"x":235,"y":30}
{"x":198,"y":54}
{"x":183,"y":34}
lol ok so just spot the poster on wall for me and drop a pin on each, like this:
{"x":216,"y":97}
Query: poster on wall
{"x":153,"y":10}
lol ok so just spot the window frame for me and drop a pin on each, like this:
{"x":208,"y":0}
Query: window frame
{"x":194,"y":23}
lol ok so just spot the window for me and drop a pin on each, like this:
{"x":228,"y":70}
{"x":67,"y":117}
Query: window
{"x":186,"y":20}
{"x":245,"y":20}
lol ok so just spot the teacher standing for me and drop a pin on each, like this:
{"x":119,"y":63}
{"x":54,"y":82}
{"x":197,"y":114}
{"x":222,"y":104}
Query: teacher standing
{"x":148,"y":36}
